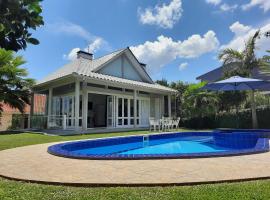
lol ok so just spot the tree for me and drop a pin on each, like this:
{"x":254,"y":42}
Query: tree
{"x":14,"y":84}
{"x":178,"y":98}
{"x":17,"y":18}
{"x":163,"y":82}
{"x":243,"y":62}
{"x":231,"y":100}
{"x":199,"y":103}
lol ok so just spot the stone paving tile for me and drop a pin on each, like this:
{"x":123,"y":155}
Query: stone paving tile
{"x":34,"y":163}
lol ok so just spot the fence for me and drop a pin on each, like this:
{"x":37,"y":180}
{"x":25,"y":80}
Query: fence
{"x":11,"y":121}
{"x":57,"y":121}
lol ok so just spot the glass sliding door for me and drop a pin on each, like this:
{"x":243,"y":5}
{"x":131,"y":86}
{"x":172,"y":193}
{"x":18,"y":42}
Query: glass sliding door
{"x":131,"y":117}
{"x":111,"y":111}
{"x":121,"y":111}
{"x":144,"y":112}
{"x":125,"y":112}
{"x":138,"y":113}
{"x":68,"y":110}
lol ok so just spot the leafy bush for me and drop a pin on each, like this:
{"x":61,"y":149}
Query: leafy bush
{"x":229,"y":120}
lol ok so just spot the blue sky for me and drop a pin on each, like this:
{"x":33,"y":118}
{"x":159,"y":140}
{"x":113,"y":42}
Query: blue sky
{"x":177,"y":39}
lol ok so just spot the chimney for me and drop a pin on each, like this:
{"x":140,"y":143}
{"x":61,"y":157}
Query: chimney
{"x":85,"y":55}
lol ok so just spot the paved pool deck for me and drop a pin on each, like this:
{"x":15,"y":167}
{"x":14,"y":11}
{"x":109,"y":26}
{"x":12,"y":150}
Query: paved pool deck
{"x":33,"y":163}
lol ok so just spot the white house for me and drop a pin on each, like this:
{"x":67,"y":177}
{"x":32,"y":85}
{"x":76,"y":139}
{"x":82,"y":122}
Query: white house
{"x":112,"y":91}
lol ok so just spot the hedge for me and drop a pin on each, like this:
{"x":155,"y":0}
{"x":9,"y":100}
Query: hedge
{"x":242,"y":119}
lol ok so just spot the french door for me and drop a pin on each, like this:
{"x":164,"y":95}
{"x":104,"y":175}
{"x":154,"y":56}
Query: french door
{"x":120,"y":111}
{"x":68,"y":110}
{"x":125,"y":112}
{"x":111,"y":111}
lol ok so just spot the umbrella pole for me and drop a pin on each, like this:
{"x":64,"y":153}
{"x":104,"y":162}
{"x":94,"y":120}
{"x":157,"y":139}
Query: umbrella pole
{"x":253,"y":111}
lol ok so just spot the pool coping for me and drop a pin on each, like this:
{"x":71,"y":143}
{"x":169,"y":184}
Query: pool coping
{"x":98,"y":185}
{"x":12,"y":159}
{"x":262,"y":146}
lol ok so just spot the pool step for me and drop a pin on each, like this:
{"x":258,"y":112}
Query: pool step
{"x":145,"y":140}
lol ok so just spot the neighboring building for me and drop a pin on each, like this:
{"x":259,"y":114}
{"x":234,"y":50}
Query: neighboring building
{"x":218,"y":74}
{"x":113,"y":91}
{"x":12,"y":118}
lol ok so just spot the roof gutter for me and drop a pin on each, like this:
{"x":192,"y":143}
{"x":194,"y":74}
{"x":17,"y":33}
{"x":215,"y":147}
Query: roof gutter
{"x":126,"y":85}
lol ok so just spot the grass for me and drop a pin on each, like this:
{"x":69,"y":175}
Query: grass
{"x":8,"y":141}
{"x":12,"y":190}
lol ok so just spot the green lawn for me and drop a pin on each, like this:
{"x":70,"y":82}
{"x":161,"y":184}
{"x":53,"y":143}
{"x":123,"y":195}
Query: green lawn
{"x":17,"y":140}
{"x":10,"y":190}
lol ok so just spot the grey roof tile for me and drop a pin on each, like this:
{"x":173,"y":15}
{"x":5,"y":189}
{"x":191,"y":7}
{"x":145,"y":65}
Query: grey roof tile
{"x":85,"y":67}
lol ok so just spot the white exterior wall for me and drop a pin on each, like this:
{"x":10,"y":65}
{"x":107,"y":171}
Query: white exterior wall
{"x":121,"y":67}
{"x":113,"y":68}
{"x":129,"y":72}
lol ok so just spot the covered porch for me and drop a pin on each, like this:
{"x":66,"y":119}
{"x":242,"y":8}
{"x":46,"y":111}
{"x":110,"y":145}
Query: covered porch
{"x":87,"y":104}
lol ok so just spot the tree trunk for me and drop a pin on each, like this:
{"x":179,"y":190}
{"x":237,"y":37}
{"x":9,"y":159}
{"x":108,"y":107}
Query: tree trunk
{"x":253,"y":111}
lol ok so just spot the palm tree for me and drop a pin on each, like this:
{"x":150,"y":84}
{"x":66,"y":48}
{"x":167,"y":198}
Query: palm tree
{"x":243,"y":63}
{"x":199,"y":103}
{"x":14,"y":84}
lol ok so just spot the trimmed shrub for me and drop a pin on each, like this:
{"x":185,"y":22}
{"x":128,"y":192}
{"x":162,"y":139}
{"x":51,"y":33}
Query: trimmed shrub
{"x":242,"y":119}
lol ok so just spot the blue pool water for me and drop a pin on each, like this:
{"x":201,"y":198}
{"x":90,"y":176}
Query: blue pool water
{"x":163,"y":146}
{"x":172,"y":145}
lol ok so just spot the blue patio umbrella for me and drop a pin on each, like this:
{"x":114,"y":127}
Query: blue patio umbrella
{"x":237,"y":83}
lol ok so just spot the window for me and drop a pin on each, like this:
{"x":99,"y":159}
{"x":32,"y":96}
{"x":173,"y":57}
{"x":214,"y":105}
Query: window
{"x":120,"y":107}
{"x":131,"y":108}
{"x":125,"y":107}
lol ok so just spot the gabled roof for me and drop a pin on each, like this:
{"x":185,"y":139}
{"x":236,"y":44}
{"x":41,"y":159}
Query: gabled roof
{"x":80,"y":66}
{"x":218,"y":74}
{"x":90,"y":68}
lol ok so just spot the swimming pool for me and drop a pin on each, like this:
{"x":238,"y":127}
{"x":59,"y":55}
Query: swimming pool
{"x":169,"y":145}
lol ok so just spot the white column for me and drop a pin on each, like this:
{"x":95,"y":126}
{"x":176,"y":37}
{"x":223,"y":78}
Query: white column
{"x":64,"y":122}
{"x":135,"y":108}
{"x":77,"y":103}
{"x":49,"y":106}
{"x":169,"y":106}
{"x":162,"y":106}
{"x":84,"y":106}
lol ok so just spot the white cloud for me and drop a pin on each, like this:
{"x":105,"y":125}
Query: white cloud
{"x":263,"y":4}
{"x":92,"y":48}
{"x":67,"y":28}
{"x":225,"y":7}
{"x":70,"y":29}
{"x":239,"y":29}
{"x":242,"y":33}
{"x":165,"y":50}
{"x":214,"y":2}
{"x":95,"y":45}
{"x":72,"y":55}
{"x":163,"y":15}
{"x":183,"y":66}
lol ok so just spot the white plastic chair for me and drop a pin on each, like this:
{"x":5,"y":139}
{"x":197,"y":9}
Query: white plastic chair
{"x":175,"y":123}
{"x":170,"y":123}
{"x":166,"y":123}
{"x":154,"y":123}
